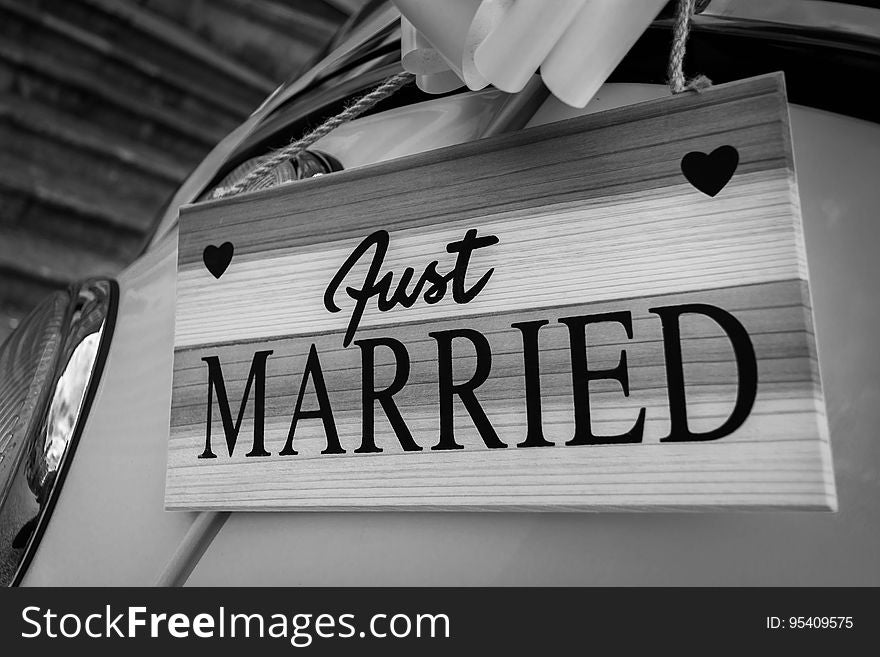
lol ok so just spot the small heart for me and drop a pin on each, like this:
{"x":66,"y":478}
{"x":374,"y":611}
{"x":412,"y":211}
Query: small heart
{"x":217,"y":258}
{"x":710,"y":173}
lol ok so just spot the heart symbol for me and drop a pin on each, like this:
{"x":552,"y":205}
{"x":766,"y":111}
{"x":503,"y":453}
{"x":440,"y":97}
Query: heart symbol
{"x":710,"y":173}
{"x":217,"y":258}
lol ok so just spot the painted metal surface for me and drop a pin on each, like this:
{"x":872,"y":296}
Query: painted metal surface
{"x":109,"y":526}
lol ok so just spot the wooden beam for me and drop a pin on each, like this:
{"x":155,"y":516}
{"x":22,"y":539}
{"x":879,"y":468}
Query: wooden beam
{"x":183,"y":40}
{"x":61,"y":73}
{"x":51,"y":261}
{"x":98,"y":50}
{"x":31,"y":180}
{"x":90,"y":137}
{"x":286,"y":19}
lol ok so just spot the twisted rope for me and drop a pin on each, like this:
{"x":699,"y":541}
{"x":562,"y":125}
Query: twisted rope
{"x":677,"y":82}
{"x":387,"y":88}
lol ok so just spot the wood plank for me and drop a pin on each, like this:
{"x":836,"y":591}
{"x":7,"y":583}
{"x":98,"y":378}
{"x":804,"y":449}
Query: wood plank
{"x":45,"y":211}
{"x":745,"y":238}
{"x":591,"y":220}
{"x":84,"y":169}
{"x":278,"y":49}
{"x":184,"y":41}
{"x":116,"y":61}
{"x":40,"y":182}
{"x":58,"y":73}
{"x":48,"y":260}
{"x":782,"y":342}
{"x":592,"y":168}
{"x":84,"y":135}
{"x":287,"y":18}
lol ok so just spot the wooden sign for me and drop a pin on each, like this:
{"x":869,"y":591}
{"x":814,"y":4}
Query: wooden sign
{"x":610,"y":312}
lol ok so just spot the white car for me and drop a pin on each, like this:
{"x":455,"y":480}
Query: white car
{"x":85,"y":381}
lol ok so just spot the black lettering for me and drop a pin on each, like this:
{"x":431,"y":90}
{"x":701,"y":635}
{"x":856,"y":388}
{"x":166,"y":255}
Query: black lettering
{"x":388,"y":295}
{"x":746,"y":365}
{"x":385,"y":397}
{"x":464,"y":248}
{"x":465,"y":390}
{"x":581,"y":375}
{"x":437,"y":290}
{"x":535,"y":429}
{"x":324,"y":411}
{"x":257,"y":377}
{"x":379,"y":239}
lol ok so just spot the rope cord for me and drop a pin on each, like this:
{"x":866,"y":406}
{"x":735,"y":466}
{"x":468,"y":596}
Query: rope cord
{"x":383,"y":91}
{"x":677,"y":81}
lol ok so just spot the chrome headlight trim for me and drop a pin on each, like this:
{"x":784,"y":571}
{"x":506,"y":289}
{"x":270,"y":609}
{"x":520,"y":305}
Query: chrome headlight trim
{"x":92,"y":309}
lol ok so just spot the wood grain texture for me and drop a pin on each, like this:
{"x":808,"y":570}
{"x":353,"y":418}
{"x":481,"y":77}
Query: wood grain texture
{"x":592,"y":216}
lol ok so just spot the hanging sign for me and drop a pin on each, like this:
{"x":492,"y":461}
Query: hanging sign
{"x":610,"y":312}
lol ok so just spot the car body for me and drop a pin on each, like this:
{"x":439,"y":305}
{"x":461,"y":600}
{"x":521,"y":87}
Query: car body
{"x":108,"y":525}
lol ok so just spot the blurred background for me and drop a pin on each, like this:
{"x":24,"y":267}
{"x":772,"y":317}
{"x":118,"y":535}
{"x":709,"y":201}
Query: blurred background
{"x":106,"y":105}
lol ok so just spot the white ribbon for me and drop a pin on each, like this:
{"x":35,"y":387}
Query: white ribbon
{"x":576,"y":44}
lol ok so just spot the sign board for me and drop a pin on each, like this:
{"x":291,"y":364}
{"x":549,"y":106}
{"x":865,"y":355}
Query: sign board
{"x":610,"y":312}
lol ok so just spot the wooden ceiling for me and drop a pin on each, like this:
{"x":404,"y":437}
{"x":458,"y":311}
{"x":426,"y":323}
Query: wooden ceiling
{"x":106,"y":105}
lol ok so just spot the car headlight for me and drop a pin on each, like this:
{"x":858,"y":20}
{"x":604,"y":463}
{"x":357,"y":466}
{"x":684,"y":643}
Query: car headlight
{"x":49,"y":369}
{"x":306,"y":164}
